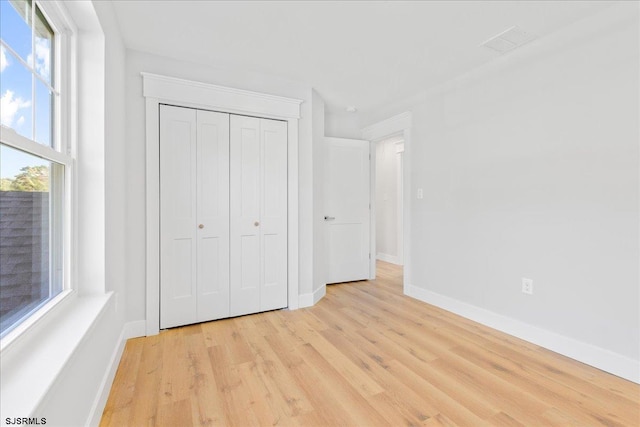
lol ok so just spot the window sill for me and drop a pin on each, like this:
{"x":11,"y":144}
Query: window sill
{"x":15,"y":335}
{"x":32,"y":359}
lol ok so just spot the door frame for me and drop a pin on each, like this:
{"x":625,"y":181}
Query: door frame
{"x":398,"y":147}
{"x":400,"y":200}
{"x":158,"y":89}
{"x":394,"y":126}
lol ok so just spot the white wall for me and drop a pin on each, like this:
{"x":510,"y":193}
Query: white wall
{"x":530,"y":169}
{"x":135,"y":165}
{"x":115,"y":156}
{"x":387,"y":200}
{"x":344,"y":125}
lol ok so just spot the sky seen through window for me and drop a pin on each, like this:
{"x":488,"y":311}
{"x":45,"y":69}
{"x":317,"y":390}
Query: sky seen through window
{"x":26,"y":97}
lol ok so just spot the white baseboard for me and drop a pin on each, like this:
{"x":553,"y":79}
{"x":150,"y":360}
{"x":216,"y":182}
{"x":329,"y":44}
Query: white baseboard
{"x":598,"y":357}
{"x":311,"y":298}
{"x":393,"y":259}
{"x":129,"y":330}
{"x":134,"y":329}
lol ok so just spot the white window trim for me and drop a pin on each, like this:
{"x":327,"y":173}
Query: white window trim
{"x":158,"y":90}
{"x":63,"y":152}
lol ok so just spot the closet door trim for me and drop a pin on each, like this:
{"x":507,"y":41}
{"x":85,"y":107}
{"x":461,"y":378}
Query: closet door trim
{"x":159,"y":90}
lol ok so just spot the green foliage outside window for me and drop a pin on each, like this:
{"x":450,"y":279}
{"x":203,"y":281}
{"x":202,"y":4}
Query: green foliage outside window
{"x":32,"y":178}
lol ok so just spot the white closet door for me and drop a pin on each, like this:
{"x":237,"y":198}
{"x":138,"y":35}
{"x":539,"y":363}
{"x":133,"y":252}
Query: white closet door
{"x":178,"y":217}
{"x":223,"y":215}
{"x":273,"y":214}
{"x":194,"y":216}
{"x":213,"y":215}
{"x":258,"y":199}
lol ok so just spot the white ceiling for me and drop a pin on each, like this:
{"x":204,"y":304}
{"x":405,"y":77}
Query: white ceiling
{"x":361,"y":53}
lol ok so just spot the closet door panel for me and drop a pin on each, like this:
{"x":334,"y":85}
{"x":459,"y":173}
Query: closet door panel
{"x":223,"y":215}
{"x":178,"y":263}
{"x":273,"y":214}
{"x":213,"y":215}
{"x":244,"y":215}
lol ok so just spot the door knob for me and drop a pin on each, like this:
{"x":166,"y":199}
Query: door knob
{"x":201,"y":226}
{"x":329,"y":218}
{"x":256,"y":223}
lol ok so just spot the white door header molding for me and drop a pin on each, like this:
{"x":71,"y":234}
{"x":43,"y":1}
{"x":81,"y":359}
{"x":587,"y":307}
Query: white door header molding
{"x":387,"y":127}
{"x":231,"y":100}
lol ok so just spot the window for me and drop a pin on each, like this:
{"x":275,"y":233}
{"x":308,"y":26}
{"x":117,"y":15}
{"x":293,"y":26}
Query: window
{"x":35,"y":164}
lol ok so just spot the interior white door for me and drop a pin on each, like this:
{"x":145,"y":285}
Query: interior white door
{"x":347,"y":209}
{"x":258,"y":211}
{"x":194,"y":216}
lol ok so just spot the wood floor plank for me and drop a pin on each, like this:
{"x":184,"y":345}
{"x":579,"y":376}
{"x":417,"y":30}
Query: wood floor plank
{"x":492,"y":391}
{"x":365,"y":355}
{"x":231,"y":391}
{"x":175,"y":413}
{"x":206,"y":408}
{"x":148,"y":381}
{"x":409,"y":402}
{"x":360,"y":409}
{"x":175,"y":368}
{"x":502,"y":419}
{"x":559,"y":418}
{"x":551,"y":392}
{"x":125,"y":379}
{"x":267,"y":407}
{"x":439,"y":420}
{"x":280,"y":387}
{"x":328,"y":408}
{"x":117,"y":410}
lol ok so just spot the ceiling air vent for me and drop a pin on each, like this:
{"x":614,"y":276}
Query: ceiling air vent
{"x":508,"y":40}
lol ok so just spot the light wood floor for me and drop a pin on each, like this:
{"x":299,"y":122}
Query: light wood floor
{"x":365,"y":355}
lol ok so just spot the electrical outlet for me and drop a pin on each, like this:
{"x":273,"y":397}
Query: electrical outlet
{"x":527,"y":286}
{"x":420,"y":194}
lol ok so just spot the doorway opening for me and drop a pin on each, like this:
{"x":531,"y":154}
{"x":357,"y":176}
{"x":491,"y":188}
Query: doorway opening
{"x":389,"y":199}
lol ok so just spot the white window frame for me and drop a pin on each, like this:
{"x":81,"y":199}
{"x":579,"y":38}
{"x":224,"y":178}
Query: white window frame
{"x":62,"y":150}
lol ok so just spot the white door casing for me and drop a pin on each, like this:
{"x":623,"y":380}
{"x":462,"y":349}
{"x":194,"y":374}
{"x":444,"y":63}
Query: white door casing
{"x":400,"y":203}
{"x":393,"y":126}
{"x":388,"y":199}
{"x":347,"y":209}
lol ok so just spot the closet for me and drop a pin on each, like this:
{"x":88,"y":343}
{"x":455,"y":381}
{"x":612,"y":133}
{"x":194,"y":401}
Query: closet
{"x":223,"y":215}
